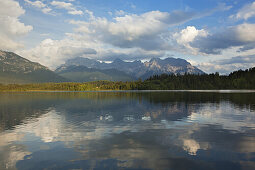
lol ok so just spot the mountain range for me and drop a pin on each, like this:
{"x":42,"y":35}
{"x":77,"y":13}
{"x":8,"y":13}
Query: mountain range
{"x":85,"y":74}
{"x":130,"y":70}
{"x":16,"y":69}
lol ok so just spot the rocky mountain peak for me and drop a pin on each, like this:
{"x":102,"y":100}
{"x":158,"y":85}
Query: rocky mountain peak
{"x":137,"y":68}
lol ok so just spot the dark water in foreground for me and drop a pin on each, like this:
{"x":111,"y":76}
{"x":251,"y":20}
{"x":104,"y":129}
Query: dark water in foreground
{"x":123,"y":130}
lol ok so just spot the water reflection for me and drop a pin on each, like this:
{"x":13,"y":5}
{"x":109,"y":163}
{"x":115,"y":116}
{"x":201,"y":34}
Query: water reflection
{"x":158,"y":130}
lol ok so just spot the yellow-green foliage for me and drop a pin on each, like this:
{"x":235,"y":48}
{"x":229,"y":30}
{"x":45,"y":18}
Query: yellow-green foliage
{"x":88,"y":86}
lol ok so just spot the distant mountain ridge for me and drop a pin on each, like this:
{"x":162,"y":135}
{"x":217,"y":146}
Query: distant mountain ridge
{"x":85,"y":74}
{"x":16,"y":69}
{"x":136,"y":69}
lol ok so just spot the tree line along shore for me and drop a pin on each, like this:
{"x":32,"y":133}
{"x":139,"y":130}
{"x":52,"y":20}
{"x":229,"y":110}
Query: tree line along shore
{"x":242,"y":79}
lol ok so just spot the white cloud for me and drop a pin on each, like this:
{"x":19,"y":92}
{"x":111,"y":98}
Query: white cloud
{"x":75,"y":12}
{"x":46,"y":10}
{"x":142,"y":31}
{"x":188,"y":35}
{"x":11,"y":27}
{"x":90,"y":14}
{"x":10,"y":8}
{"x":148,"y":31}
{"x":40,"y":5}
{"x":54,"y":52}
{"x":235,"y":36}
{"x":63,"y":5}
{"x":6,"y":43}
{"x":68,"y":6}
{"x":37,"y":4}
{"x":245,"y":32}
{"x":245,"y":12}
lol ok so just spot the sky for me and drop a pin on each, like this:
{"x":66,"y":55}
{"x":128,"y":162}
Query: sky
{"x":214,"y":35}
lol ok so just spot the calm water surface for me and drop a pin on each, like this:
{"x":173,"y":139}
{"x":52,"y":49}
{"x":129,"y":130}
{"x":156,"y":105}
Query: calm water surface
{"x":127,"y":130}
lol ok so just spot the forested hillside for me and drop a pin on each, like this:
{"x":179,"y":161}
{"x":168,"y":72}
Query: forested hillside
{"x":235,"y":80}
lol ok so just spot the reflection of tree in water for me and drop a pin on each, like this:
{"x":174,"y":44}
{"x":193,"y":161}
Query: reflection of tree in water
{"x":17,"y":107}
{"x":242,"y":100}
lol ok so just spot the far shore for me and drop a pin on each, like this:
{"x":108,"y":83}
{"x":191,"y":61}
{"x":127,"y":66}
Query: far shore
{"x":132,"y":91}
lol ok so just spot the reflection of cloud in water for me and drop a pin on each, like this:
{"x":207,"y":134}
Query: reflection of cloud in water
{"x":172,"y":131}
{"x":8,"y":138}
{"x":14,"y":157}
{"x":53,"y":126}
{"x":47,"y":127}
{"x":225,"y":115}
{"x":191,"y":146}
{"x":10,"y":154}
{"x":247,"y":145}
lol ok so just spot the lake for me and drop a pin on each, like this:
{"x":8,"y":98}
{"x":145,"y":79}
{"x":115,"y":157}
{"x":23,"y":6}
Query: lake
{"x":179,"y":130}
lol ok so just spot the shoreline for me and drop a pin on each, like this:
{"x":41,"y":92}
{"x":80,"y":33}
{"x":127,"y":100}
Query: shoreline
{"x":133,"y":91}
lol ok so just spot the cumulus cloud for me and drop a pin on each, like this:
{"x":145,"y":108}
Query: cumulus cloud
{"x":240,"y":35}
{"x":7,"y":43}
{"x":148,"y":31}
{"x":11,"y":27}
{"x":68,"y":6}
{"x":144,"y":31}
{"x":39,"y":4}
{"x":245,"y":12}
{"x":188,"y":35}
{"x":54,"y":52}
